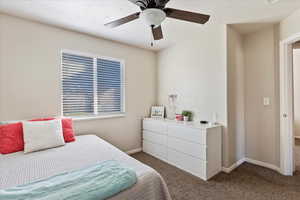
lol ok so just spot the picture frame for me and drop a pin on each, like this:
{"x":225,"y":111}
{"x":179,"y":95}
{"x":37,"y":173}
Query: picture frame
{"x":158,"y":112}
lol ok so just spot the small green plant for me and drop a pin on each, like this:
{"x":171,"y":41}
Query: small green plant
{"x":187,"y":114}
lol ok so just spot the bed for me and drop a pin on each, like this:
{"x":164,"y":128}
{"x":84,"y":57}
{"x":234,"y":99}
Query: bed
{"x":19,"y":168}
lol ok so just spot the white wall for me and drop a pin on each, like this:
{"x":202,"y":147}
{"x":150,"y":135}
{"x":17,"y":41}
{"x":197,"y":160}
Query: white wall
{"x":261,"y":75}
{"x":235,"y":95}
{"x":30,"y":77}
{"x":296,"y":72}
{"x":195,"y":69}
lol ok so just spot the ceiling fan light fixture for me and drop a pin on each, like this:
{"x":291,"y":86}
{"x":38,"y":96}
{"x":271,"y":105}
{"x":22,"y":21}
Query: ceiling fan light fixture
{"x":153,"y":16}
{"x":154,"y":12}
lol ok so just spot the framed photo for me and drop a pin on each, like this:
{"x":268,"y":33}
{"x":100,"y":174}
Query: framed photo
{"x":158,"y":112}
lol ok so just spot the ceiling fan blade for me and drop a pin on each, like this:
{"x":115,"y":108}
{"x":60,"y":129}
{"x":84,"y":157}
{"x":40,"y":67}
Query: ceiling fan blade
{"x":186,"y":15}
{"x":157,"y":33}
{"x":123,"y":20}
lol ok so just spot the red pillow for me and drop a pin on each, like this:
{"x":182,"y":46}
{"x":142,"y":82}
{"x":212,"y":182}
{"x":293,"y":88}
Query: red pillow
{"x":67,"y":125}
{"x":68,"y":131}
{"x":11,"y":138}
{"x":41,"y":119}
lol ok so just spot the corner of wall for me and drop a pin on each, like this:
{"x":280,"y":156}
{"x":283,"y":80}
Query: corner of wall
{"x":290,"y":25}
{"x":235,"y":96}
{"x":277,"y":89}
{"x":156,"y":54}
{"x":1,"y":64}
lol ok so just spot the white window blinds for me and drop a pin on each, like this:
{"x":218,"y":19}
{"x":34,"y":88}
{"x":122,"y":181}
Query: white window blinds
{"x":109,"y":86}
{"x":91,"y":86}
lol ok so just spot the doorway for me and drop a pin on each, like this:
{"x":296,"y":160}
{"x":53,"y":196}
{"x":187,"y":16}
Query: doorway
{"x":287,"y":139}
{"x":296,"y":90}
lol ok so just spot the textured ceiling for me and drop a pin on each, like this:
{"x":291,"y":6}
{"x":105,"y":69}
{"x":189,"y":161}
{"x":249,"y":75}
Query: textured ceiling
{"x":88,"y":16}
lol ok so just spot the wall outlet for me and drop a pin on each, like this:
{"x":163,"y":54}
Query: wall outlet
{"x":267,"y":101}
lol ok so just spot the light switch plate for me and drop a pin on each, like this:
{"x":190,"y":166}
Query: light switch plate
{"x":266,"y":101}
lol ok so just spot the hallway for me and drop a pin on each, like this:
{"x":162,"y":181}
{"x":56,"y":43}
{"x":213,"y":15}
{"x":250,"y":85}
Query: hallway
{"x":297,"y":154}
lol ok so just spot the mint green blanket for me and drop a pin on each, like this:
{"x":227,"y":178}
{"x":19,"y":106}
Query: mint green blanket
{"x":97,"y":182}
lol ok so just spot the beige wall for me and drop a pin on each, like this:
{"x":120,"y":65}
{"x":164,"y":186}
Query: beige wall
{"x":290,"y":25}
{"x":30,"y":77}
{"x":29,"y":81}
{"x":296,"y":72}
{"x":262,"y":133}
{"x":195,"y":70}
{"x":235,"y":95}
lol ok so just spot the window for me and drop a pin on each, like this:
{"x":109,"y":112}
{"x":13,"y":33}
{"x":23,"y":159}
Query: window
{"x":92,"y":86}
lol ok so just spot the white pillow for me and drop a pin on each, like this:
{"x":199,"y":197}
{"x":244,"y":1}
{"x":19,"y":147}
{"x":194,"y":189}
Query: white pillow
{"x":41,"y":135}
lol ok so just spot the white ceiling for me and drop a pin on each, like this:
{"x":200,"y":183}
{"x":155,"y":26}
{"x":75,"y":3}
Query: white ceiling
{"x":88,"y":16}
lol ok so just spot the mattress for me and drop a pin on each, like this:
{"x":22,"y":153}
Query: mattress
{"x":19,"y":168}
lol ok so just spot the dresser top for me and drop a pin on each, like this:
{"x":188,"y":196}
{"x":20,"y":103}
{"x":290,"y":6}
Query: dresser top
{"x":188,"y":124}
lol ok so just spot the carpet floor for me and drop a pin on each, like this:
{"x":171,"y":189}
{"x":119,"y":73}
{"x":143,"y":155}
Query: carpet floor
{"x":248,"y":182}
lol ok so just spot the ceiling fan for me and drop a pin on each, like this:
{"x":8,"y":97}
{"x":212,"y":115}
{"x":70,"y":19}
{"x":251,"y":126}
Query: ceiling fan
{"x":154,"y":12}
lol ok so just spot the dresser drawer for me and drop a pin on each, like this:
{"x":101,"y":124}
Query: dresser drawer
{"x":155,"y":137}
{"x":156,"y":150}
{"x":188,"y":134}
{"x":190,"y":148}
{"x":157,"y":126}
{"x":187,"y":163}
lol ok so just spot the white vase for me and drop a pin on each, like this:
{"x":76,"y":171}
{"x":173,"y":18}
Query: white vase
{"x":185,"y":118}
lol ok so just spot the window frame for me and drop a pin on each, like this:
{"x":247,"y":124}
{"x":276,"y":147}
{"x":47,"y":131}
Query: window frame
{"x":96,"y":114}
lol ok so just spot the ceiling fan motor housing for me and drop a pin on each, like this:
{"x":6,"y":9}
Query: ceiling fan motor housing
{"x":144,"y":4}
{"x":153,"y":16}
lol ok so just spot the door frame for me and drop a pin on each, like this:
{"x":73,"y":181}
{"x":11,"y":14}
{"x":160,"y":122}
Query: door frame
{"x":286,"y":106}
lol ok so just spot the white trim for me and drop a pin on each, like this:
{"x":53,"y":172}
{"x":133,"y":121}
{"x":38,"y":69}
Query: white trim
{"x":252,"y":161}
{"x":123,"y":82}
{"x":97,"y":117}
{"x":133,"y":151}
{"x":234,"y":166}
{"x":95,"y":86}
{"x":286,"y":106}
{"x":263,"y":164}
{"x":95,"y":57}
{"x":91,"y":55}
{"x":61,"y":84}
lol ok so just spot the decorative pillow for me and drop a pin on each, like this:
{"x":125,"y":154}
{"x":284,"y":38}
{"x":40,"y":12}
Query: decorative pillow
{"x":67,"y":125}
{"x":42,"y":119}
{"x":40,"y":135}
{"x":10,"y":122}
{"x":11,"y":138}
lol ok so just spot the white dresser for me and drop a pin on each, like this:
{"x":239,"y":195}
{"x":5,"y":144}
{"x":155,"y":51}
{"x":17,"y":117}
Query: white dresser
{"x":191,"y":147}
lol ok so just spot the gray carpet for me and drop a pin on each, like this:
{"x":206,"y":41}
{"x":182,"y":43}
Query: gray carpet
{"x":248,"y":182}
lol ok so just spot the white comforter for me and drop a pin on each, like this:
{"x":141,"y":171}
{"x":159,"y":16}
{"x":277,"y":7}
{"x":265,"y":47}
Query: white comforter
{"x":20,"y":168}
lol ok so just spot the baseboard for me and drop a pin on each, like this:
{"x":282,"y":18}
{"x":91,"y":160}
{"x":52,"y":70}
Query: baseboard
{"x":133,"y":151}
{"x":297,"y":137}
{"x":234,"y":166}
{"x":252,"y":161}
{"x":263,"y":164}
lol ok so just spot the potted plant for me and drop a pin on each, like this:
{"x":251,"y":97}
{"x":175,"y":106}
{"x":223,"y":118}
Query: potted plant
{"x":187,"y":115}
